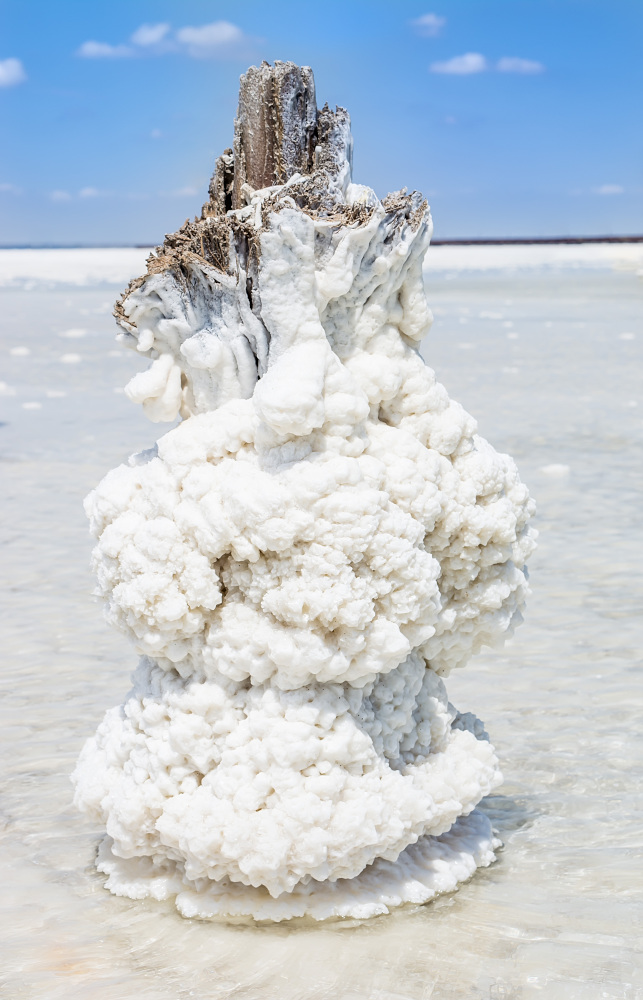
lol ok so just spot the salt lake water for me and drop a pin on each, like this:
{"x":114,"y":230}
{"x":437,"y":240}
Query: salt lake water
{"x":544,"y":346}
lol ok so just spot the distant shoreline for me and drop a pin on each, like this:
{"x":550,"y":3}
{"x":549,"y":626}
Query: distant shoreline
{"x":529,"y":241}
{"x":500,"y":241}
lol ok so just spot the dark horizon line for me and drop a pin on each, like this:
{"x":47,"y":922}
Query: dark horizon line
{"x":530,"y":240}
{"x":483,"y":241}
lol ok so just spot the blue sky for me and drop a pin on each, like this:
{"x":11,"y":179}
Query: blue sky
{"x":515,"y":117}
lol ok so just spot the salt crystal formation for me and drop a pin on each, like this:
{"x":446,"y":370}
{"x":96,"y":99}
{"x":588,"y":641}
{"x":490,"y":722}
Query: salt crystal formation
{"x":304,"y":558}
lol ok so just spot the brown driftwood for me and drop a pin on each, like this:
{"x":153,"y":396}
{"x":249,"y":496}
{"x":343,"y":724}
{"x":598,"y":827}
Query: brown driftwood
{"x":278,"y":132}
{"x":276,"y":126}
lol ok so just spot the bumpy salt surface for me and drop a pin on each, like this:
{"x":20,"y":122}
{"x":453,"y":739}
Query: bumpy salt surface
{"x":298,"y":563}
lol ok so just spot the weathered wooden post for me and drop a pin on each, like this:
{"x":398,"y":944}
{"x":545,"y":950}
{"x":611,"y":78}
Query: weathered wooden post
{"x":304,"y":557}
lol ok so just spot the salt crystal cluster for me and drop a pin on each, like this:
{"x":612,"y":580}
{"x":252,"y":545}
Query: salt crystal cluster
{"x":301,"y":560}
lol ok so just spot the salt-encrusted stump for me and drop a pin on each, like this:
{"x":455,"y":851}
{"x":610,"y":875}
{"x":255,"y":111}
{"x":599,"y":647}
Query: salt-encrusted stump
{"x":303,"y":558}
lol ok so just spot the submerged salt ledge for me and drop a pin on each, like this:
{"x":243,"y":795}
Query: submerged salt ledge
{"x":432,"y":866}
{"x":297,"y":563}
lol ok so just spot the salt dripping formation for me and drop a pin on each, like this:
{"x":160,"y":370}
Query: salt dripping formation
{"x":304,"y":558}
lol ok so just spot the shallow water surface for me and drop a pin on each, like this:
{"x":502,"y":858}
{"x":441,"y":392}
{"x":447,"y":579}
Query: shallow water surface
{"x":550,"y":362}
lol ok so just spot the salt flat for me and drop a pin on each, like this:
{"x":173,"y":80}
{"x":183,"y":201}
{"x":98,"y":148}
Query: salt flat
{"x":544,"y":346}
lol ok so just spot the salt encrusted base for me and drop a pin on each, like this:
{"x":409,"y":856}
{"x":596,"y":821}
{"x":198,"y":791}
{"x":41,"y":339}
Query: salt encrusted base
{"x":432,"y":866}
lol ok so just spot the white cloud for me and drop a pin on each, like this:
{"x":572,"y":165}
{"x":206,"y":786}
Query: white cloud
{"x":150,"y":34}
{"x":220,"y":38}
{"x":10,"y":189}
{"x":156,"y":134}
{"x":11,"y":72}
{"x":475,"y":62}
{"x":511,"y":64}
{"x":86,"y":192}
{"x":471,"y":62}
{"x":429,"y":25}
{"x":101,"y":50}
{"x":609,"y":189}
{"x":210,"y":39}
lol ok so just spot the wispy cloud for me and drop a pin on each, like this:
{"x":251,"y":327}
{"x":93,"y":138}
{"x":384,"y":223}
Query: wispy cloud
{"x":512,"y":64}
{"x":184,"y":192}
{"x":150,"y":34}
{"x":12,"y":72}
{"x":470,"y":62}
{"x":86,"y":192}
{"x":6,"y":188}
{"x":429,"y":25}
{"x":210,"y":39}
{"x":217,"y":39}
{"x":101,"y":50}
{"x":609,"y":189}
{"x":148,"y":39}
{"x":475,"y":62}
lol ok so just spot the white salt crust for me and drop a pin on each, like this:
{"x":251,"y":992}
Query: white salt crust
{"x":429,"y":868}
{"x":269,"y":787}
{"x":298,"y":563}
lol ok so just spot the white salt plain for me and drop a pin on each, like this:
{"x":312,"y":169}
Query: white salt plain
{"x":544,"y":345}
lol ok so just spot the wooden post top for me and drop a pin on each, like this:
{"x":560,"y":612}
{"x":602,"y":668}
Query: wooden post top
{"x":278,"y":132}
